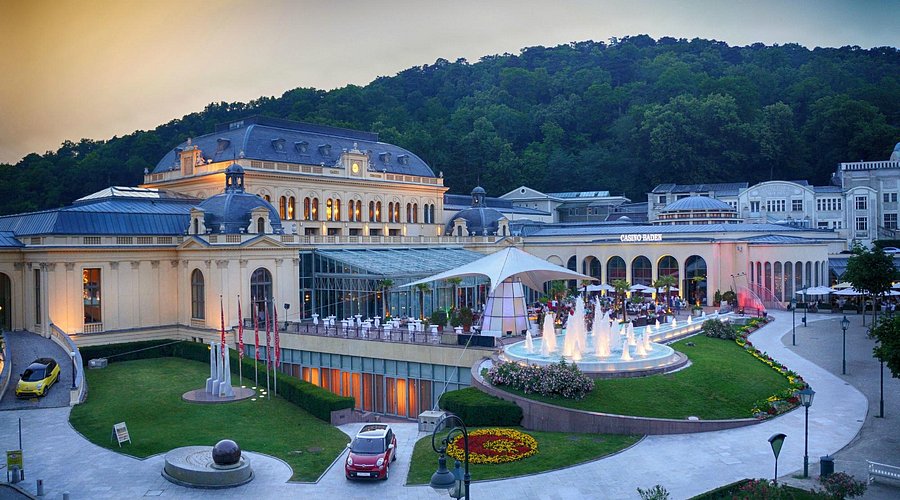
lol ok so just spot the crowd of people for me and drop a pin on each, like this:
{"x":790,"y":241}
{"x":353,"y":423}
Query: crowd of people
{"x":644,"y":310}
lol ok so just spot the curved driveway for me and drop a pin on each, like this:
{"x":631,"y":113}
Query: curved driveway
{"x":685,"y":464}
{"x":25,"y":347}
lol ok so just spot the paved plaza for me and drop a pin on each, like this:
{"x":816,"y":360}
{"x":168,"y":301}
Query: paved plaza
{"x":842,"y":422}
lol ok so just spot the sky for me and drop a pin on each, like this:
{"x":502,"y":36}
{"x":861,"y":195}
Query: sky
{"x":97,"y":68}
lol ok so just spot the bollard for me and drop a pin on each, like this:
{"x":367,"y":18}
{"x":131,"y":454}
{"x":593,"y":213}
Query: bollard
{"x":40,"y":487}
{"x":826,"y":466}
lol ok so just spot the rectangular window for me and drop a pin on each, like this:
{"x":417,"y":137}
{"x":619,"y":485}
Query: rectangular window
{"x":797,"y":205}
{"x":861,"y":203}
{"x":890,"y":221}
{"x":754,"y":206}
{"x":90,"y":277}
{"x":822,"y":224}
{"x":37,"y":296}
{"x":661,"y":200}
{"x":889,"y":197}
{"x":862,"y":223}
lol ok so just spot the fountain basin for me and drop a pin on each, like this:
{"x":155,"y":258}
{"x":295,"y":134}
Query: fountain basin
{"x":659,"y":357}
{"x":193,"y":466}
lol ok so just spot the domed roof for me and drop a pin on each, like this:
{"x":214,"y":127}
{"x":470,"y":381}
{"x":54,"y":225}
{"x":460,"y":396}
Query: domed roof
{"x":479,"y":190}
{"x":480,"y":221}
{"x":229,"y":212}
{"x":895,"y":156}
{"x":696,"y":203}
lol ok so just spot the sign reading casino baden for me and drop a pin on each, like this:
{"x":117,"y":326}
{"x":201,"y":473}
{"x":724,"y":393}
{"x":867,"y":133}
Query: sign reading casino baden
{"x":640,"y":238}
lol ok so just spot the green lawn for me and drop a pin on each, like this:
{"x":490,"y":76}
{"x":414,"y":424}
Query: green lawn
{"x":722,"y":382}
{"x":146,"y":395}
{"x":555,"y":450}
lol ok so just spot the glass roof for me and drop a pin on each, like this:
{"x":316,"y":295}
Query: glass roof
{"x":399,"y":262}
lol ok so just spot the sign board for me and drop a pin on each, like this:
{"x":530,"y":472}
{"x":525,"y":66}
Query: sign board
{"x":120,"y":432}
{"x":777,"y":440}
{"x":14,"y":459}
{"x":639,"y":238}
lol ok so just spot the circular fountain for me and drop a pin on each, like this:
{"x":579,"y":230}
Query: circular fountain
{"x":219,"y":466}
{"x":609,"y":349}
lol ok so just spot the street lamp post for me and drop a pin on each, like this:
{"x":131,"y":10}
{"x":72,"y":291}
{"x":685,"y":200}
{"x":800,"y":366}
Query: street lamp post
{"x":805,"y":309}
{"x":793,"y":321}
{"x":844,"y":324}
{"x":806,"y":399}
{"x":72,"y":355}
{"x":444,"y":479}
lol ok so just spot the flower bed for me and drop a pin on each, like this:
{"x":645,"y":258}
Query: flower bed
{"x":494,"y":446}
{"x":783,"y":400}
{"x":559,"y":379}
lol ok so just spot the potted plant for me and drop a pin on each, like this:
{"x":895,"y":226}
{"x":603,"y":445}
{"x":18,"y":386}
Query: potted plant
{"x":465,"y":318}
{"x":696,"y":310}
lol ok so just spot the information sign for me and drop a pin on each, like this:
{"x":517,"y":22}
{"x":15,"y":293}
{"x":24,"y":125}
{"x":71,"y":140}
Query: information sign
{"x":120,"y":432}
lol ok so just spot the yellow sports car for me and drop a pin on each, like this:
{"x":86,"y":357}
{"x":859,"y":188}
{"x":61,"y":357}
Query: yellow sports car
{"x":37,"y":378}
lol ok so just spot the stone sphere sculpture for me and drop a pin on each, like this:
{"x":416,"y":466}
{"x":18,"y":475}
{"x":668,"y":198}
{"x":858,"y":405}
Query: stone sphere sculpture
{"x":226,"y":452}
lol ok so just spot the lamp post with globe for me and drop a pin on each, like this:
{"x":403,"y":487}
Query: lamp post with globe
{"x":806,"y":399}
{"x":444,"y":479}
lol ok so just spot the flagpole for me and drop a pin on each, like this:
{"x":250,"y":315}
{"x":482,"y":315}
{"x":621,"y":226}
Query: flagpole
{"x":255,"y":311}
{"x":268,"y":352}
{"x":277,"y":346}
{"x":240,"y":345}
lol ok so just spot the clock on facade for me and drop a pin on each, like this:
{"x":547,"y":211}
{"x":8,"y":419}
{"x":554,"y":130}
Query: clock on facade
{"x":355,"y":168}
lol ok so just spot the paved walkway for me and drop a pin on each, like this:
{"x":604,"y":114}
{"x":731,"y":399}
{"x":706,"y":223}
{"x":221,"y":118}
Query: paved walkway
{"x":25,"y":347}
{"x":685,"y":464}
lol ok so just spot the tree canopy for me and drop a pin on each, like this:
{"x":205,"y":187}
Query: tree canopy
{"x":621,"y":116}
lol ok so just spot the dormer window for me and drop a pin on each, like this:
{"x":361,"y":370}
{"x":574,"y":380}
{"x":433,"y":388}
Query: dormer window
{"x":222,"y":144}
{"x":278,"y":145}
{"x":403,"y":159}
{"x":385,"y":158}
{"x":301,"y":147}
{"x":325,"y":149}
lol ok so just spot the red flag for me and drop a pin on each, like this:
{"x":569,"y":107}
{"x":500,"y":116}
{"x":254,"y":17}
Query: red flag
{"x":240,"y":331}
{"x":256,"y":332}
{"x":277,"y":343}
{"x":222,"y":310}
{"x":268,"y":337}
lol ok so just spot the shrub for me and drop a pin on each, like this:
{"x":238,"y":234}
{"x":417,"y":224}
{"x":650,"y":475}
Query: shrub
{"x":317,"y":401}
{"x":718,"y":329}
{"x":559,"y":379}
{"x":478,"y":409}
{"x":843,"y":485}
{"x":655,"y":493}
{"x":438,"y":317}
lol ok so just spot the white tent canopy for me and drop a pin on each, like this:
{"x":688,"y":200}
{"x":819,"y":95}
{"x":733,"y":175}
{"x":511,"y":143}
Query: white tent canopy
{"x":511,"y":262}
{"x":601,"y":288}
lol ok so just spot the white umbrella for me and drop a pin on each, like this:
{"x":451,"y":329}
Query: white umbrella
{"x":601,"y":288}
{"x":509,"y":263}
{"x":639,"y":288}
{"x":845,"y":284}
{"x":849,"y":292}
{"x":820,"y":290}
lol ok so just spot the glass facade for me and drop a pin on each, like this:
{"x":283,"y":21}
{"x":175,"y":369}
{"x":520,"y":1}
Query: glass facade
{"x":401,"y":388}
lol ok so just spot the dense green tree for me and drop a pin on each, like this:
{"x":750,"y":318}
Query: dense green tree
{"x":621,"y":116}
{"x":870,"y":271}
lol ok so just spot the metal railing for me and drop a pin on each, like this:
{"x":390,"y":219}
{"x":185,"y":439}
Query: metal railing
{"x":66,"y":342}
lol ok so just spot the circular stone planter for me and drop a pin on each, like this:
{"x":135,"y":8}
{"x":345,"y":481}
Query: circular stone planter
{"x":193,"y":466}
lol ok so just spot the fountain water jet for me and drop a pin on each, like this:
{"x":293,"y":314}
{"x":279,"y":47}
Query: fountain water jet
{"x":548,"y":335}
{"x":626,"y":356}
{"x":529,"y":343}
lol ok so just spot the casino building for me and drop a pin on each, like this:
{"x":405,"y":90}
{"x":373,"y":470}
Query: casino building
{"x":307,"y":220}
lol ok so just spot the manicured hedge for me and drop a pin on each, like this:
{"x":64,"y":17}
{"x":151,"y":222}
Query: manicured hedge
{"x":316,"y":400}
{"x":478,"y":409}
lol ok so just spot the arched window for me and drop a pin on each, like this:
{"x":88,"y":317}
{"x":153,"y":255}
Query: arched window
{"x":196,"y":226}
{"x":409,"y":215}
{"x":337,"y":209}
{"x":282,"y":207}
{"x":391,"y":212}
{"x":668,"y":266}
{"x":371,"y":211}
{"x":261,"y":293}
{"x":378,"y":211}
{"x":267,"y":198}
{"x":778,"y":281}
{"x":291,"y":213}
{"x":315,"y":209}
{"x":261,"y":225}
{"x":198,"y":295}
{"x":356,"y":211}
{"x":641,"y":271}
{"x":432,"y":213}
{"x":415,"y":211}
{"x":306,"y":209}
{"x":329,"y":213}
{"x":5,"y":302}
{"x":695,"y":267}
{"x":615,"y":269}
{"x":572,"y":265}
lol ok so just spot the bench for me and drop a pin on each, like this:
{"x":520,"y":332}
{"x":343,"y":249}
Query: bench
{"x":882,"y":470}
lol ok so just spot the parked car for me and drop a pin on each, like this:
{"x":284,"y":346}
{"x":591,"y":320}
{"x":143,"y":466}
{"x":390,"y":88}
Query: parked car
{"x":37,"y":378}
{"x":371,"y":452}
{"x":891,"y":250}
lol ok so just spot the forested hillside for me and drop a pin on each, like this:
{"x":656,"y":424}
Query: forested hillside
{"x":620,"y":116}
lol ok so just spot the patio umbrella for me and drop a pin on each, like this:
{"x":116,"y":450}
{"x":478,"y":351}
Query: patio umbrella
{"x":848,"y":292}
{"x":843,"y":285}
{"x":601,"y":288}
{"x":639,"y":288}
{"x":820,"y":290}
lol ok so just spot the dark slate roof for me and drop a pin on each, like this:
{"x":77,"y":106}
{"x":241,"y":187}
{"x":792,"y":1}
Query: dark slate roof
{"x":697,"y":203}
{"x":580,"y":194}
{"x":232,"y":210}
{"x":116,"y":214}
{"x":455,"y":202}
{"x":775,"y":238}
{"x":721,"y":188}
{"x":480,"y":221}
{"x":269,"y":139}
{"x":8,"y":240}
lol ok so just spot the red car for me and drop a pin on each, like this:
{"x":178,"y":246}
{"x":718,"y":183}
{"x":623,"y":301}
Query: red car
{"x":371,"y":452}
